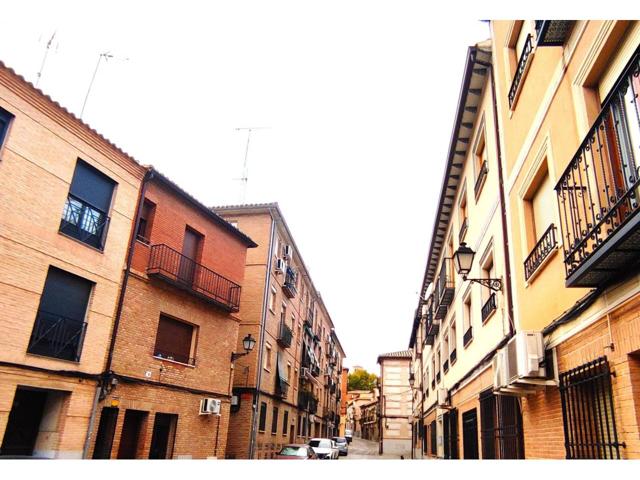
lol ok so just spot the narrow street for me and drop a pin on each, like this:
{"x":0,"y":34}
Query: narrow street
{"x":360,"y":449}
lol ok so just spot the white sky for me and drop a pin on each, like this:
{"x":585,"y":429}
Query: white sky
{"x":359,"y":98}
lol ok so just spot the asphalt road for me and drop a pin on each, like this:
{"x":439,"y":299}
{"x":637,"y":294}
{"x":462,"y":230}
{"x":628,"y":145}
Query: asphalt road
{"x":360,"y":449}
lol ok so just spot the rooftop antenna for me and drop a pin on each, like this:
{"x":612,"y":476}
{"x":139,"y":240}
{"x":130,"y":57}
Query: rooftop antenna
{"x":245,"y":169}
{"x":106,"y":56}
{"x":44,"y":58}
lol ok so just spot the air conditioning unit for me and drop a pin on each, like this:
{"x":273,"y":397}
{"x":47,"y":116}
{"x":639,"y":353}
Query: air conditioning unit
{"x":210,"y":406}
{"x":288,"y":251}
{"x":524,"y":354}
{"x":281,"y":265}
{"x":499,"y":364}
{"x":443,"y":397}
{"x":304,"y":372}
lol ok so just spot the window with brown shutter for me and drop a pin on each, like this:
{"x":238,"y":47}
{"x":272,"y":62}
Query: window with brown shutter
{"x":173,"y":340}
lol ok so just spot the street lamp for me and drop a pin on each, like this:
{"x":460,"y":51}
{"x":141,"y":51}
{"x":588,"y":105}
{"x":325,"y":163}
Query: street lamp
{"x":463,"y":260}
{"x":248,"y":343}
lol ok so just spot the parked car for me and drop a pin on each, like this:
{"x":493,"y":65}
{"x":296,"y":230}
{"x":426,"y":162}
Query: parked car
{"x":342,"y":444}
{"x":325,"y":448}
{"x":296,"y":452}
{"x":348,"y":434}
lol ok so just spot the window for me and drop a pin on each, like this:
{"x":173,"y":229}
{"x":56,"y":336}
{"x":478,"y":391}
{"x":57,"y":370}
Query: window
{"x":445,"y":352}
{"x":480,"y":163}
{"x":5,"y":120}
{"x":453,"y":341}
{"x":488,"y":296}
{"x":60,"y":321}
{"x":263,"y":417}
{"x":146,"y":221}
{"x":272,"y":300}
{"x":285,"y":422}
{"x":520,"y":54}
{"x":84,"y":216}
{"x":462,"y":216}
{"x":267,"y":357}
{"x":432,"y":430}
{"x":174,"y":341}
{"x":274,"y":421}
{"x":466,"y":320}
{"x":501,"y":424}
{"x":283,"y":313}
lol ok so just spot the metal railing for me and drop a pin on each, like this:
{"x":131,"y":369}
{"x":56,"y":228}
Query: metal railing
{"x":445,"y":366}
{"x":543,"y":248}
{"x":185,"y":273}
{"x":57,"y":336}
{"x":307,"y":401}
{"x":285,"y":335}
{"x":482,"y":174}
{"x":468,"y":336}
{"x":176,"y":357}
{"x":84,"y":222}
{"x":489,"y":306}
{"x":520,"y":70}
{"x":290,"y":283}
{"x":453,"y":356}
{"x":444,"y":289}
{"x":463,"y":229}
{"x":438,"y":377}
{"x":598,"y":191}
{"x":588,"y":413}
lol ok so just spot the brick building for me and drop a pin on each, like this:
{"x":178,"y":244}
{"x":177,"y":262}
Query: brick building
{"x":290,"y":389}
{"x":344,"y":382}
{"x":175,"y":333}
{"x":67,"y":210}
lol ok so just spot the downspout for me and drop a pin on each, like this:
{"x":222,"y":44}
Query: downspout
{"x":105,"y":376}
{"x":503,"y":211}
{"x":267,"y":282}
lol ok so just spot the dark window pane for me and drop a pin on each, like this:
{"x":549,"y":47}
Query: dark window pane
{"x":92,"y":186}
{"x":274,"y":420}
{"x":5,"y":119}
{"x":65,"y":294}
{"x":263,"y":416}
{"x":173,"y":340}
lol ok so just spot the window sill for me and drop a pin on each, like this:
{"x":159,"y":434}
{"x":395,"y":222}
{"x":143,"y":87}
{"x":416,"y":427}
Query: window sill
{"x":173,"y":361}
{"x":81,"y":242}
{"x":38,"y":355}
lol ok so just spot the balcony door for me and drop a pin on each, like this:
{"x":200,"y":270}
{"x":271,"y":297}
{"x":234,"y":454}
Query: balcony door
{"x":190,"y":248}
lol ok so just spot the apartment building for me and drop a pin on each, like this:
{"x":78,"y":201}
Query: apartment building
{"x":290,"y":390}
{"x":344,"y":382}
{"x":69,"y":198}
{"x":464,"y":312}
{"x":169,"y":369}
{"x":395,"y":403}
{"x":568,"y":99}
{"x":356,"y":399}
{"x":370,"y":421}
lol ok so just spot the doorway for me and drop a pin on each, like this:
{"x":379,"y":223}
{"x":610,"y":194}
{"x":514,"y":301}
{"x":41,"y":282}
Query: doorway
{"x":24,"y":422}
{"x":106,"y":432}
{"x":190,"y":248}
{"x":163,"y":437}
{"x":470,"y":434}
{"x":134,"y":421}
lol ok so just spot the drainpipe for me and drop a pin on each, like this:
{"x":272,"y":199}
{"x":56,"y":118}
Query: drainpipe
{"x":106,"y":375}
{"x":503,"y":211}
{"x":265,"y":299}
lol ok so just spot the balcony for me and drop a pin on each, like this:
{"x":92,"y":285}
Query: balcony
{"x":444,"y":289}
{"x":482,"y":176}
{"x":290,"y":280}
{"x":445,"y":366}
{"x":453,"y":356}
{"x":84,"y":222}
{"x":433,"y":384}
{"x":463,"y":229}
{"x":307,"y":401}
{"x":438,"y":377}
{"x":552,"y":33}
{"x":186,"y":274}
{"x":429,"y":340}
{"x":433,"y":328}
{"x":540,"y":252}
{"x":598,"y":192}
{"x":468,"y":336}
{"x":57,"y":337}
{"x":285,"y":335}
{"x":489,"y":307}
{"x":282,"y":389}
{"x":521,"y":70}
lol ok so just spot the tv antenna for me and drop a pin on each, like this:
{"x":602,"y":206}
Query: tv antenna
{"x":44,"y":58}
{"x":245,"y":169}
{"x":106,"y":56}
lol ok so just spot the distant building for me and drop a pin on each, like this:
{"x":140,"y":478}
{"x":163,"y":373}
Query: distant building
{"x":395,"y":403}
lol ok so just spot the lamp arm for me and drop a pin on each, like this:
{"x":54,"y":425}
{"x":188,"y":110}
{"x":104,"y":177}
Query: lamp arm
{"x":494,"y":284}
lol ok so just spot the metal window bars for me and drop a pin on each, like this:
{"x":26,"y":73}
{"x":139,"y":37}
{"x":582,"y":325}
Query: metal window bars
{"x":84,"y":222}
{"x":543,"y":248}
{"x":57,"y":336}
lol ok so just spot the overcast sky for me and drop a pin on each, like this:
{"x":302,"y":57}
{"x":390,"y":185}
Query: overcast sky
{"x":359,"y":98}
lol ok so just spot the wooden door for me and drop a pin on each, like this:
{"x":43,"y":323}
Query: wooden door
{"x":190,"y":247}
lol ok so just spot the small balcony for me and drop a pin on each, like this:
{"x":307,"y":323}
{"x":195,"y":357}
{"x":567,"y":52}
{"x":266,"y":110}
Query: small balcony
{"x":84,"y":222}
{"x":489,"y":307}
{"x":285,"y":335}
{"x":468,"y":336}
{"x":482,"y":176}
{"x":186,"y":274}
{"x":307,"y":401}
{"x":445,"y":366}
{"x":438,"y":377}
{"x":444,"y":289}
{"x":521,"y":70}
{"x":433,"y":384}
{"x":540,"y":252}
{"x":429,"y":340}
{"x":282,"y":389}
{"x":552,"y":33}
{"x":453,"y":356}
{"x":433,"y":328}
{"x":57,"y":337}
{"x":463,"y":229}
{"x":598,"y":195}
{"x":290,"y":280}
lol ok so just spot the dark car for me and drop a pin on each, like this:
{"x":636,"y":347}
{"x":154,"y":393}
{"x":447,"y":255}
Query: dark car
{"x":342,"y":444}
{"x":296,"y":452}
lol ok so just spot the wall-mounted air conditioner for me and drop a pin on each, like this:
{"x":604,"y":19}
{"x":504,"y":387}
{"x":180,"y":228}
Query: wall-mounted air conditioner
{"x":281,"y":265}
{"x":210,"y":406}
{"x":524,"y":356}
{"x":288,"y":251}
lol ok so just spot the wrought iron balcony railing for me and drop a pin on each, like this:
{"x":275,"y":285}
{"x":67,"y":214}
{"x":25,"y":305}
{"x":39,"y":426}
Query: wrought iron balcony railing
{"x":445,"y":366}
{"x":444,"y":289}
{"x":176,"y":357}
{"x":307,"y":401}
{"x":468,"y":336}
{"x":543,"y":248}
{"x":56,"y":336}
{"x":482,"y":176}
{"x":552,"y":33}
{"x":289,"y":286}
{"x":463,"y":229}
{"x":84,"y":222}
{"x":438,"y":377}
{"x":285,"y":335}
{"x":521,"y":70}
{"x":489,"y":306}
{"x":598,"y":194}
{"x":453,"y":356}
{"x":185,"y":273}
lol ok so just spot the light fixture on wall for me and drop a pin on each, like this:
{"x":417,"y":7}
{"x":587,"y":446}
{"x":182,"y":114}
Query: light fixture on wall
{"x":463,"y":260}
{"x":248,"y":343}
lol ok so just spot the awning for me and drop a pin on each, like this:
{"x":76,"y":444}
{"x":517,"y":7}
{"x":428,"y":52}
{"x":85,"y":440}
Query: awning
{"x":281,"y":379}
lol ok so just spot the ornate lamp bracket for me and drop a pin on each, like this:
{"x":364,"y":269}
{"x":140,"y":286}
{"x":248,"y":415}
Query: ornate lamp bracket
{"x":494,"y":284}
